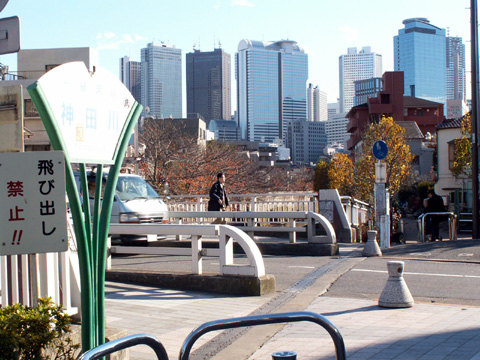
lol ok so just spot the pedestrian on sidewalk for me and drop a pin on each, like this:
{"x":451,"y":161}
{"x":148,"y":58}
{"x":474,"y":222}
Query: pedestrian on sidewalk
{"x":434,"y":203}
{"x":218,"y":197}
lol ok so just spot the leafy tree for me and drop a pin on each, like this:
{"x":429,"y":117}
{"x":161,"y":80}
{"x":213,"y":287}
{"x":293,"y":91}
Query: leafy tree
{"x":462,"y":163}
{"x":398,"y":161}
{"x":340,"y":174}
{"x":320,"y":180}
{"x":173,"y":156}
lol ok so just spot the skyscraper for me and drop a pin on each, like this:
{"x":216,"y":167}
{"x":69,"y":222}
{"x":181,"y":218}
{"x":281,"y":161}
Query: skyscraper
{"x":316,"y":104}
{"x":131,"y":76}
{"x":354,"y":66}
{"x":162,"y":80}
{"x":271,"y":87}
{"x":209,"y":84}
{"x":455,"y":61}
{"x":419,"y":51}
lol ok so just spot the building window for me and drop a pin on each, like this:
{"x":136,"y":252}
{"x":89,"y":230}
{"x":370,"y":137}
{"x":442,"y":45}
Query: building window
{"x":451,"y":154}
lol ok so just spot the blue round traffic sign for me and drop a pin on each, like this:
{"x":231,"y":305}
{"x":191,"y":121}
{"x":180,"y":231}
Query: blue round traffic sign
{"x":380,"y":149}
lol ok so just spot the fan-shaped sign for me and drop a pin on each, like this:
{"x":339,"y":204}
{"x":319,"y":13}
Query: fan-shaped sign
{"x":89,"y":110}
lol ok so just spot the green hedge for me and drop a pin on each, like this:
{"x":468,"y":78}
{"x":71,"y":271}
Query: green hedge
{"x":28,"y":332}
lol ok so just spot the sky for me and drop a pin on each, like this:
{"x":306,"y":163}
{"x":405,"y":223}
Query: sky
{"x":325,"y":29}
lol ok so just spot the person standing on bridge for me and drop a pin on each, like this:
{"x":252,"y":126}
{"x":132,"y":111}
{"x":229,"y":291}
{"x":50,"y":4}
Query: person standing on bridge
{"x":218,"y":197}
{"x":434,"y":203}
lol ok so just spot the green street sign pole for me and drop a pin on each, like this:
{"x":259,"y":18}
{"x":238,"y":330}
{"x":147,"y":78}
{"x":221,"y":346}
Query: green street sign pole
{"x":107,"y":211}
{"x":91,"y":231}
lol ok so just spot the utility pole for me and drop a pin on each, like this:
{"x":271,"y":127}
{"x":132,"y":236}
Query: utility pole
{"x":475,"y":117}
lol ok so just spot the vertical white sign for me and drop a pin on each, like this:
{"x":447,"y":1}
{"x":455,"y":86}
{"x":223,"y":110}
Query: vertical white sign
{"x":33,"y":204}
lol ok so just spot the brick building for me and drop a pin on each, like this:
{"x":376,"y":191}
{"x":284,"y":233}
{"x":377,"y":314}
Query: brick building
{"x":391,"y":102}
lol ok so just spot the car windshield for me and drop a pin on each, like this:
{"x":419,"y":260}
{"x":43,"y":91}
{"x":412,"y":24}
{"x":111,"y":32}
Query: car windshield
{"x":132,"y":187}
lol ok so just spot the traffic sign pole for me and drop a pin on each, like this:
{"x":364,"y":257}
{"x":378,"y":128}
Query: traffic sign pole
{"x":382,"y":207}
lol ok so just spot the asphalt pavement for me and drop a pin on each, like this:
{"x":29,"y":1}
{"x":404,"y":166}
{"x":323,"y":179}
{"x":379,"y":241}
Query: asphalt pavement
{"x":444,"y":322}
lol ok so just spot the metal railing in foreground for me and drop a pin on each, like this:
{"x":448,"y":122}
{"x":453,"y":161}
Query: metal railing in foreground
{"x":264,"y":320}
{"x":124,"y":343}
{"x":452,"y":224}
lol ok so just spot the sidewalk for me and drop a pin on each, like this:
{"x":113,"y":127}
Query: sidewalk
{"x":424,"y":331}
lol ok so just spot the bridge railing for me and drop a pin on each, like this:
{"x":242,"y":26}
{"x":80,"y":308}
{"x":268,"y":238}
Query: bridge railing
{"x":225,"y":233}
{"x":249,"y":202}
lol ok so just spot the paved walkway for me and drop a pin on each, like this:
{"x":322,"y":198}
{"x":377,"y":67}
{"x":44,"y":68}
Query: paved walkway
{"x":170,"y":315}
{"x":424,"y":331}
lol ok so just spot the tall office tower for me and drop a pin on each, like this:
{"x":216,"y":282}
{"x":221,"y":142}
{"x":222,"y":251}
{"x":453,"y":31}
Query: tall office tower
{"x":333,"y":109}
{"x":336,"y":129}
{"x":354,"y":66}
{"x":208,"y":84}
{"x":419,"y":51}
{"x":323,"y":106}
{"x":162,"y":80}
{"x":271,"y":87}
{"x":316,"y":104}
{"x":131,"y":76}
{"x":313,"y":103}
{"x":306,"y":140}
{"x":455,"y":51}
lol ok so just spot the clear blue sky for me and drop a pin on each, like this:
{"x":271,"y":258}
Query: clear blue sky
{"x":324,"y":28}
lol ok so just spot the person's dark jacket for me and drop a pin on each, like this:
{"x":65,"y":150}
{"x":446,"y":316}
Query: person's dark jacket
{"x":435,"y":204}
{"x":217,"y":192}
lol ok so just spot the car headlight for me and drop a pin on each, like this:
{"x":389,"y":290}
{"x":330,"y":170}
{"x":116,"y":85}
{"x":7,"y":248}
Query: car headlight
{"x":129,"y":218}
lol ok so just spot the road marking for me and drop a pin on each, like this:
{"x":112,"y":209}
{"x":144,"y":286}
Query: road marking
{"x":303,"y":267}
{"x":421,"y":254}
{"x":423,"y":274}
{"x":465,"y":254}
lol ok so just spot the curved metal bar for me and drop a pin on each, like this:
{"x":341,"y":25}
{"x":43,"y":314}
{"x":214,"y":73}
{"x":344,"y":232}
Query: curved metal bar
{"x":126,"y":342}
{"x":452,"y":228}
{"x":263,"y":320}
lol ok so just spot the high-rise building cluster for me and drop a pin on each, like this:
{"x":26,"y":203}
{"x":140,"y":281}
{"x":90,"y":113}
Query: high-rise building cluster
{"x":275,"y":102}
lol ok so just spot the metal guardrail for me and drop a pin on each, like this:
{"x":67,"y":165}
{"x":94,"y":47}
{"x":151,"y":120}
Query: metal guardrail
{"x":452,"y":224}
{"x":124,"y":343}
{"x":263,"y":320}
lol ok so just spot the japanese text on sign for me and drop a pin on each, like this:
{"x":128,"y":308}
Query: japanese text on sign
{"x":34,"y":211}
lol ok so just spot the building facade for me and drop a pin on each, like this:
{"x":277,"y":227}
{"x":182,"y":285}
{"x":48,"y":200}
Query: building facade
{"x":367,"y":88}
{"x":455,"y":62}
{"x":31,"y":65}
{"x":306,"y":140}
{"x":353,"y":66}
{"x":456,"y":108}
{"x":271,"y":87}
{"x":336,"y":130}
{"x":162,"y":80}
{"x":391,"y":102}
{"x":209,"y":84}
{"x":131,"y":76}
{"x":333,"y":109}
{"x":316,"y":104}
{"x":419,"y":51}
{"x":224,"y":130}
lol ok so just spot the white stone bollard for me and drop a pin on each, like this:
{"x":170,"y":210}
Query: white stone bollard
{"x":396,"y":293}
{"x":371,"y":247}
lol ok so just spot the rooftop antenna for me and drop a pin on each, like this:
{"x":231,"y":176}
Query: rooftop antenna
{"x":219,"y":44}
{"x":448,"y":31}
